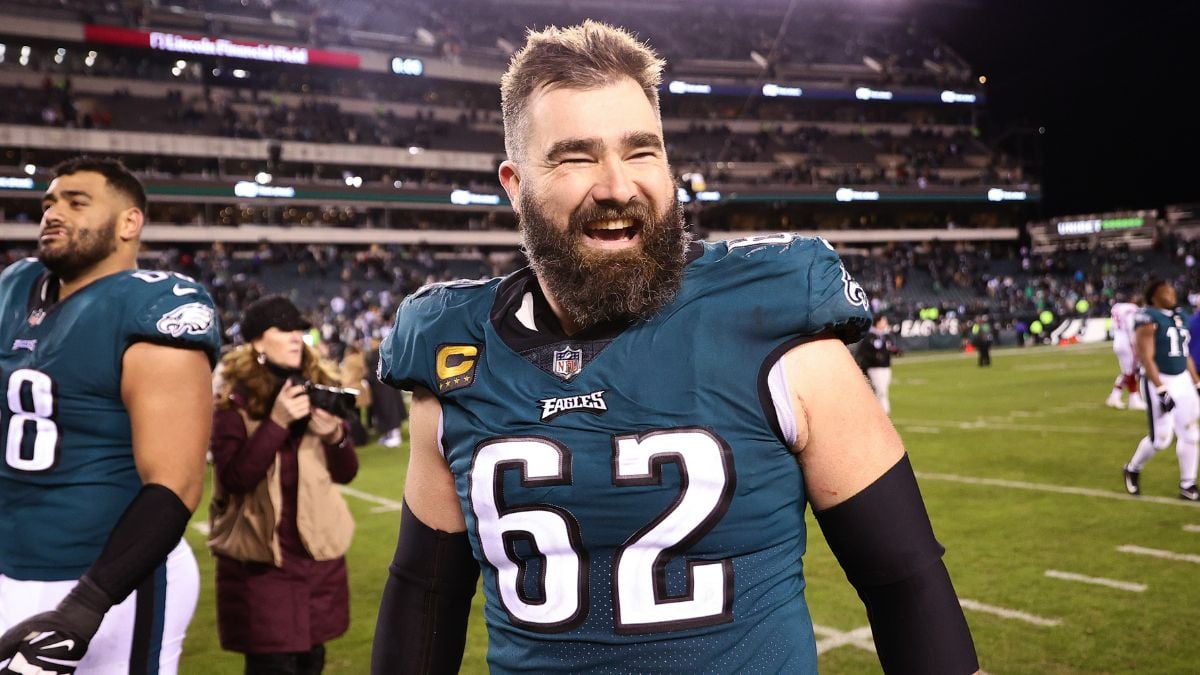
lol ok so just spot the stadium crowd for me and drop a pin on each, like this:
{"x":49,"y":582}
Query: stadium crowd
{"x":806,"y":154}
{"x":350,"y":294}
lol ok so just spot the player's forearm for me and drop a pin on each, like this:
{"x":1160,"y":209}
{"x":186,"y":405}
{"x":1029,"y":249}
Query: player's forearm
{"x":884,"y":542}
{"x":1145,"y":355}
{"x":1152,"y":372}
{"x":146,"y":532}
{"x":426,"y":602}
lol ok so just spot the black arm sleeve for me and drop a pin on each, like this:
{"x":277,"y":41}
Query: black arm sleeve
{"x":884,"y":541}
{"x":147,"y":531}
{"x":423,"y":615}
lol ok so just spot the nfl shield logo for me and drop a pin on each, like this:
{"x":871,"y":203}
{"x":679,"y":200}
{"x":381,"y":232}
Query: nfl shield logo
{"x":568,"y":362}
{"x":36,"y":317}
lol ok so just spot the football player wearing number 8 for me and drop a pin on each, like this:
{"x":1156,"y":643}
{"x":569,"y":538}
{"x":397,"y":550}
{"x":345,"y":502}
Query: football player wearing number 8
{"x":623,"y":436}
{"x":1169,"y":384}
{"x":105,"y":416}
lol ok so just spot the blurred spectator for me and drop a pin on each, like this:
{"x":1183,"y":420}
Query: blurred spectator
{"x":279,"y":526}
{"x":387,"y":410}
{"x":354,"y":376}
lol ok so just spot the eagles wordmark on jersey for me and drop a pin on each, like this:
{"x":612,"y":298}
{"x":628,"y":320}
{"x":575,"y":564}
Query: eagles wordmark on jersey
{"x":629,"y":491}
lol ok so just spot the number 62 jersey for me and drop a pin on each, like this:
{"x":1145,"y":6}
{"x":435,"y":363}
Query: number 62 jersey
{"x":626,"y":489}
{"x":68,"y":471}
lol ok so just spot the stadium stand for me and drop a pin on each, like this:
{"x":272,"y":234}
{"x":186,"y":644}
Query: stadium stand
{"x":361,"y":183}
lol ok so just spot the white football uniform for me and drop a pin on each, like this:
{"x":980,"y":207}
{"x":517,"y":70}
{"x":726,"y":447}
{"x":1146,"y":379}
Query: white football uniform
{"x":1183,"y":420}
{"x":147,"y":628}
{"x":1123,"y":336}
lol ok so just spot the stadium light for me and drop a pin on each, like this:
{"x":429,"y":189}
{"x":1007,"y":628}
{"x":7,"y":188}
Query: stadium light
{"x":30,"y":169}
{"x":3,"y":49}
{"x":24,"y":60}
{"x":771,"y":89}
{"x":464,"y":197}
{"x":7,"y":183}
{"x":982,"y":79}
{"x":59,"y":55}
{"x":681,"y":87}
{"x":240,"y":74}
{"x":849,"y":195}
{"x":869,"y":94}
{"x":403,"y":66}
{"x":415,"y":150}
{"x":263,"y":178}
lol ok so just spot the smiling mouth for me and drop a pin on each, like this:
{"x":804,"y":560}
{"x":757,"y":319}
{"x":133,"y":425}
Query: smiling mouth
{"x":620,"y":229}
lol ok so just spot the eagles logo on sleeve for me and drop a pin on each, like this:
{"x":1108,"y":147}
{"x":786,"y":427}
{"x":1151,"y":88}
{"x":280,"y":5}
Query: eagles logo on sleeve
{"x":194,"y":318}
{"x":855,"y":294}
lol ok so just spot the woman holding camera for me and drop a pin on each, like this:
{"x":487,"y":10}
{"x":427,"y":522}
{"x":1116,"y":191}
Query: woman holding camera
{"x":279,"y":527}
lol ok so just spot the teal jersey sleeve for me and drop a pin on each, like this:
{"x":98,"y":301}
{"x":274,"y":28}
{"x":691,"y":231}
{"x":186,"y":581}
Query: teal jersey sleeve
{"x":433,"y":344}
{"x":796,"y":287}
{"x":171,"y":309}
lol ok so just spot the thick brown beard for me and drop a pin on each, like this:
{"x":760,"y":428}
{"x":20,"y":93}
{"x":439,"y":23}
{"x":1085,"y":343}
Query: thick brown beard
{"x":594,"y":286}
{"x":84,"y":249}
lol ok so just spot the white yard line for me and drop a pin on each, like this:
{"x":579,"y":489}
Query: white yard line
{"x":201,"y":527}
{"x":1191,"y":528}
{"x":1097,"y":581}
{"x":921,"y":430}
{"x":1043,"y":366}
{"x":1058,"y":489}
{"x":1006,"y":613}
{"x":1003,"y":425}
{"x":831,"y":638}
{"x":1159,"y":553}
{"x":1006,"y":351}
{"x":385,"y":505}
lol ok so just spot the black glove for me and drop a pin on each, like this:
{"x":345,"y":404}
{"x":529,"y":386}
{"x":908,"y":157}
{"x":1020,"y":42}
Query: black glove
{"x":1164,"y":399}
{"x":55,"y":641}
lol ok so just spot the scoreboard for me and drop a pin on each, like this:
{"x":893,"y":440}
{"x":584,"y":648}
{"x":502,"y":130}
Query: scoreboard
{"x":1134,"y":229}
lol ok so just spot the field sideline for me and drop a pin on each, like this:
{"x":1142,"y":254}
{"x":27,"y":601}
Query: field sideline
{"x":1020,"y":465}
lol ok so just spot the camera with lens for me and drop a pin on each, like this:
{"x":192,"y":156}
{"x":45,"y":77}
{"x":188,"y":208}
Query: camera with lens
{"x":337,"y":400}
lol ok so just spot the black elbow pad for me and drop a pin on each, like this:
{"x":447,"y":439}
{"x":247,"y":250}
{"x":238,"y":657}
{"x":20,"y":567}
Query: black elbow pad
{"x":426,"y":602}
{"x":884,"y":541}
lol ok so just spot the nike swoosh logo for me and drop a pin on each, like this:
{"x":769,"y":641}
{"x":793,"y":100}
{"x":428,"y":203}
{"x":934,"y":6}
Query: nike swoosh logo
{"x":69,"y":644}
{"x":184,"y":290}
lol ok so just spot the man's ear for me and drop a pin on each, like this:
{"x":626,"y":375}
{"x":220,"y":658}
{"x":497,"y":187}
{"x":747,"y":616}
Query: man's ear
{"x":129,"y":223}
{"x":510,"y":179}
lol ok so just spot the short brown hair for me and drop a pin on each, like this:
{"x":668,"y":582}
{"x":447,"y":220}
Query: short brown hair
{"x":589,"y":55}
{"x":119,"y":178}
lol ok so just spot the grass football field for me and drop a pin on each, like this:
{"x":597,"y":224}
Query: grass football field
{"x":1020,"y":466}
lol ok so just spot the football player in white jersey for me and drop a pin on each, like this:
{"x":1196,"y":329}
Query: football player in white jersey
{"x":1123,"y":313}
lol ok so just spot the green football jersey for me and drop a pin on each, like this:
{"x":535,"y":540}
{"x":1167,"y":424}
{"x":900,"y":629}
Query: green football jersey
{"x":628,"y":490}
{"x":1171,"y":337}
{"x":68,"y":471}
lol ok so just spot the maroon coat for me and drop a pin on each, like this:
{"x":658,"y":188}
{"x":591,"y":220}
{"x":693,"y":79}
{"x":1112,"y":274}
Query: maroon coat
{"x":262,"y":608}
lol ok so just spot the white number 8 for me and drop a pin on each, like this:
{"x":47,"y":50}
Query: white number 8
{"x":41,"y":452}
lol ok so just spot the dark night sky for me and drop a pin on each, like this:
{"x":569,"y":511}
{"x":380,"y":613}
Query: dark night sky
{"x":1109,"y":81}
